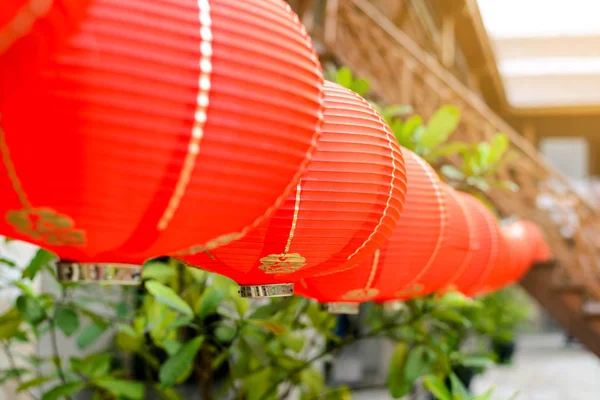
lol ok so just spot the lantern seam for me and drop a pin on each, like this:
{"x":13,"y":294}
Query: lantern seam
{"x":202,"y":102}
{"x":443,"y":223}
{"x":26,"y":16}
{"x":294,"y":219}
{"x":391,"y":191}
{"x":229,"y":237}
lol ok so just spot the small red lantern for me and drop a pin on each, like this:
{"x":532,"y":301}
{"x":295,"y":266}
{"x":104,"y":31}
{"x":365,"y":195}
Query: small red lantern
{"x":344,"y":208}
{"x":134,"y":129}
{"x":519,"y":251}
{"x":541,"y":250}
{"x":402,"y":260}
{"x":485,"y":250}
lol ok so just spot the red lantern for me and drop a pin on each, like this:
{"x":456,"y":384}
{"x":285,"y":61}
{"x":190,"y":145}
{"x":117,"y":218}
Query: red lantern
{"x":519,"y":253}
{"x":346,"y":205}
{"x":147,"y":127}
{"x":541,"y":250}
{"x":400,"y":263}
{"x":485,"y":250}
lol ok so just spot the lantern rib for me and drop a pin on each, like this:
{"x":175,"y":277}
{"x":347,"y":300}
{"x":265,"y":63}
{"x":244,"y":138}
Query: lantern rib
{"x":470,"y":227}
{"x":443,"y":221}
{"x":23,"y":21}
{"x":202,"y":102}
{"x":11,"y":171}
{"x":294,"y":219}
{"x":390,"y":194}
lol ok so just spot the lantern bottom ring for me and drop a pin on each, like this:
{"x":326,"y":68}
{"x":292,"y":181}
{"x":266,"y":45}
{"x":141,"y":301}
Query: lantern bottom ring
{"x":341,"y":308}
{"x":265,"y":291}
{"x":105,"y":273}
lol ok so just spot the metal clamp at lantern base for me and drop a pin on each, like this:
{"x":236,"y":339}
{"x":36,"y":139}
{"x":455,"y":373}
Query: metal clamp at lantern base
{"x":264,"y":291}
{"x":341,"y":308}
{"x":105,"y":273}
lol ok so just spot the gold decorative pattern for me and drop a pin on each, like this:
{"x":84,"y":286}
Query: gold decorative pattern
{"x":361,"y":294}
{"x":282,"y":263}
{"x":285,"y":263}
{"x":41,"y":223}
{"x":390,"y":194}
{"x":199,"y":118}
{"x":47,"y":225}
{"x":22,"y":22}
{"x":368,"y":292}
{"x":414,"y":290}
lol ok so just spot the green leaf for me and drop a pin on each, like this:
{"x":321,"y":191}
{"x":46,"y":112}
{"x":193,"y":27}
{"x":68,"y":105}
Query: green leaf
{"x":476,"y":361}
{"x":171,"y":346}
{"x":209,"y":302}
{"x":450,"y":315}
{"x":408,"y":129}
{"x":397,"y":110}
{"x":67,"y":320}
{"x":395,"y":380}
{"x":62,"y":391}
{"x":121,"y":388}
{"x":440,"y":126}
{"x":93,"y":365}
{"x":129,"y":340}
{"x":242,"y":305}
{"x":12,"y":373}
{"x":446,"y":150}
{"x":90,"y":334}
{"x":179,"y":322}
{"x":7,"y":262}
{"x":42,"y":257}
{"x":259,"y":383}
{"x":179,"y":366}
{"x":487,"y":395}
{"x":225,"y":333}
{"x":483,"y":152}
{"x":271,"y":326}
{"x":293,"y":341}
{"x":459,"y":391}
{"x":10,"y":322}
{"x":455,"y":299}
{"x":31,"y":309}
{"x":25,"y":287}
{"x":499,"y":146}
{"x":452,"y":172}
{"x":344,"y":77}
{"x":360,"y":87}
{"x":34,"y":382}
{"x":159,"y":271}
{"x":265,"y":311}
{"x":416,"y":363}
{"x":167,"y":296}
{"x":436,"y":386}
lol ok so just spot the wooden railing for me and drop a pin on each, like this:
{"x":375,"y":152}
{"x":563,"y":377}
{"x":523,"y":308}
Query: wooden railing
{"x":361,"y":37}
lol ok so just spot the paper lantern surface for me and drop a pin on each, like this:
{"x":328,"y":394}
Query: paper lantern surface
{"x":345,"y":207}
{"x":137,"y":128}
{"x":398,"y":265}
{"x":485,"y":250}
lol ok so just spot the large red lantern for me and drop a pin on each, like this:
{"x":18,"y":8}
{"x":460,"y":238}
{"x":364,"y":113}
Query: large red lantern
{"x":344,"y":208}
{"x":485,"y":250}
{"x":137,"y":128}
{"x":400,"y":263}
